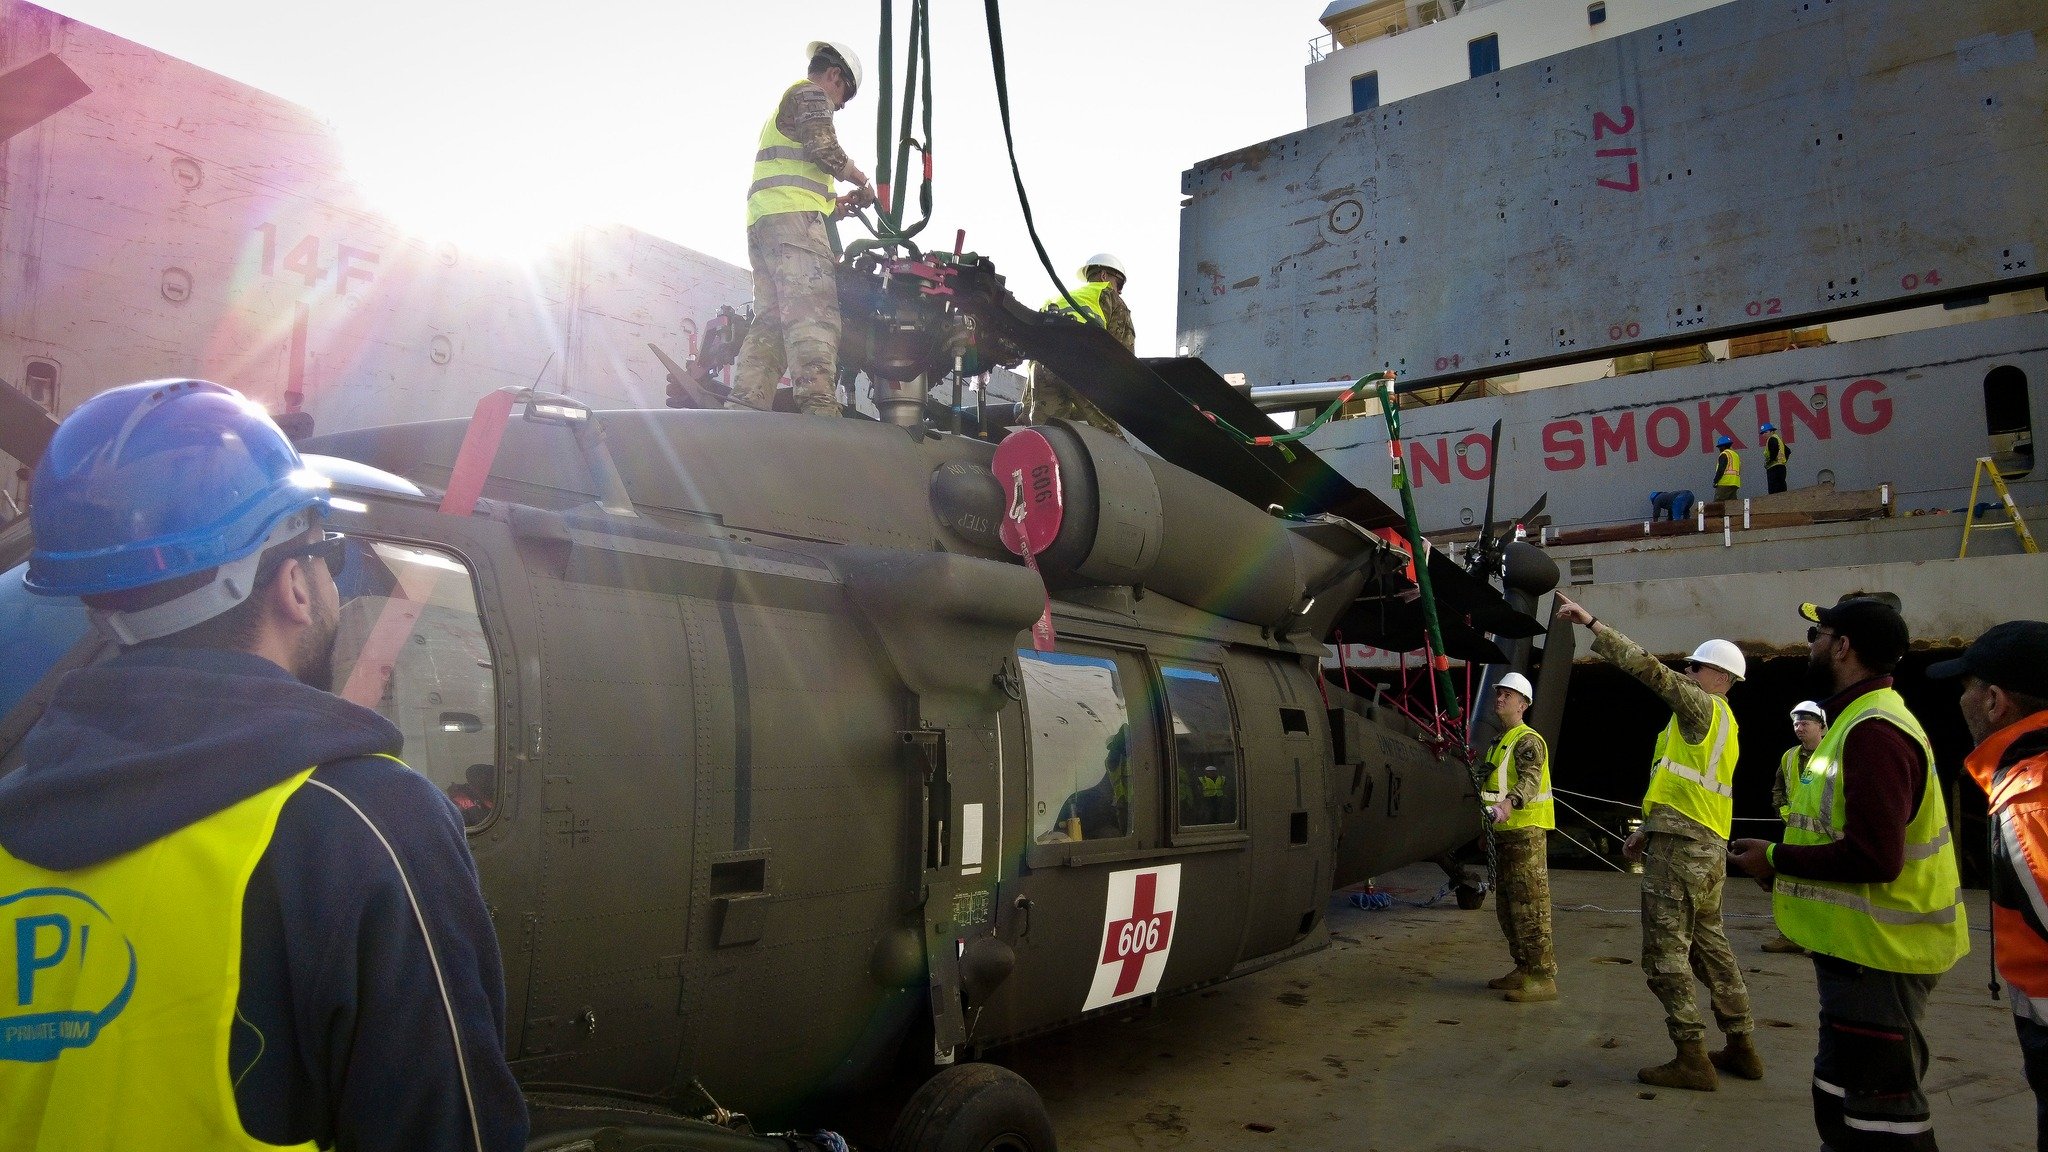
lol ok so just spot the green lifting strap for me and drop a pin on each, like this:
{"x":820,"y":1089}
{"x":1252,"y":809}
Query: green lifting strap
{"x":1435,"y":629}
{"x":1283,"y":439}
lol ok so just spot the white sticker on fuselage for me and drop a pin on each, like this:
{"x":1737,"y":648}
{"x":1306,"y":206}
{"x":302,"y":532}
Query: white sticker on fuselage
{"x":1137,"y":934}
{"x":971,"y":835}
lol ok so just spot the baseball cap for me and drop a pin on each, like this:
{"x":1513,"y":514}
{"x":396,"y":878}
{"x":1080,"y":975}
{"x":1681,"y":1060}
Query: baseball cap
{"x":1812,"y":611}
{"x":2012,"y":655}
{"x":1876,"y":630}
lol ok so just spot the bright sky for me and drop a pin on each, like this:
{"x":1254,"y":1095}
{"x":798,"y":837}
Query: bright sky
{"x":516,"y":118}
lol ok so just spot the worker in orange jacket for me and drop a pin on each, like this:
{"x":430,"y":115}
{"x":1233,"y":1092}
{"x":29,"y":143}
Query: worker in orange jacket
{"x":2005,"y":703}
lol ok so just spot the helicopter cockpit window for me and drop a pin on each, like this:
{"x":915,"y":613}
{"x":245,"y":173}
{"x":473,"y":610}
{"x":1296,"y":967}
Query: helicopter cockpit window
{"x":1080,"y":730}
{"x":1204,"y":751}
{"x":411,"y":645}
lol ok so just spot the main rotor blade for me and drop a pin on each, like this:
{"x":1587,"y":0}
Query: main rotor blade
{"x":1486,"y":540}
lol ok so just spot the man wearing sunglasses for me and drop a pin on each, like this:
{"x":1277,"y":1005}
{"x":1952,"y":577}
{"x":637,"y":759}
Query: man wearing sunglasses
{"x":238,"y":919}
{"x":1866,"y":880}
{"x":1687,"y":813}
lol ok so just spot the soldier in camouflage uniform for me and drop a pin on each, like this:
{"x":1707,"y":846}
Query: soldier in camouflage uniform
{"x":1517,"y":795}
{"x":1687,"y":814}
{"x":1809,"y":724}
{"x":1101,"y":296}
{"x":796,"y":294}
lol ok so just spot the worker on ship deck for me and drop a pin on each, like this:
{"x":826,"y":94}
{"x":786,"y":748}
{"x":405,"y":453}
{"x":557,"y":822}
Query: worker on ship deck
{"x":1727,"y":470}
{"x":796,"y":289}
{"x":1683,"y":844}
{"x":1101,"y":301}
{"x":1776,"y":457}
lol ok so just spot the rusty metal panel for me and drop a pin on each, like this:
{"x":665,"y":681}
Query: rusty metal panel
{"x":157,"y":219}
{"x":1760,"y":164}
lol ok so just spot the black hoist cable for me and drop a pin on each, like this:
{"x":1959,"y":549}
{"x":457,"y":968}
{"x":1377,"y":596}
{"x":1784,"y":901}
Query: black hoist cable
{"x":995,"y":52}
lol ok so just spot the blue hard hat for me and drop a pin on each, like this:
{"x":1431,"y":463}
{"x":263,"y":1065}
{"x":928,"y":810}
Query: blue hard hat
{"x":1768,"y":428}
{"x":154,"y":481}
{"x":1723,"y":442}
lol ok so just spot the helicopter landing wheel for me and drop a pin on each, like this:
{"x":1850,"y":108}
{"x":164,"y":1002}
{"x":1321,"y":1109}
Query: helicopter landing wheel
{"x":974,"y":1108}
{"x":1470,"y":897}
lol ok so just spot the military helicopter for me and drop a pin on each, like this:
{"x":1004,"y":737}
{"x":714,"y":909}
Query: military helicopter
{"x":805,"y":757}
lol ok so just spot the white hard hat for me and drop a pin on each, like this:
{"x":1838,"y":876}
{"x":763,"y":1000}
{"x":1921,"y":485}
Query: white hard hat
{"x":1104,"y":260}
{"x":812,"y":49}
{"x":1517,"y":682}
{"x":1808,"y":708}
{"x":1723,"y":655}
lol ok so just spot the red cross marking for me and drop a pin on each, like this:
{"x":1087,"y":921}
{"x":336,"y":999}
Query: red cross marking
{"x":1146,"y":932}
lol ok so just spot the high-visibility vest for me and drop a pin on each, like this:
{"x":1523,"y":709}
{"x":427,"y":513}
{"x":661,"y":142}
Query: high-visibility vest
{"x":126,"y":980}
{"x":1540,"y":812}
{"x":1913,"y":924}
{"x":1731,"y":469}
{"x":1698,"y":780}
{"x":2017,"y":798}
{"x":784,"y":179}
{"x":1774,"y":451}
{"x":1088,"y":296}
{"x":1791,"y":771}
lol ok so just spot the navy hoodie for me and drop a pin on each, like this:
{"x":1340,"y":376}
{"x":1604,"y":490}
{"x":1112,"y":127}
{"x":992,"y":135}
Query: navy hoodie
{"x":341,"y":1035}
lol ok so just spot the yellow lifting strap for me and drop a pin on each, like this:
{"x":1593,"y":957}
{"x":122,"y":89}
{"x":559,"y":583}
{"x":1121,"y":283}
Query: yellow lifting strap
{"x":1985,"y":468}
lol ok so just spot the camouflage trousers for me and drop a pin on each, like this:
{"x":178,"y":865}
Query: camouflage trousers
{"x":1048,"y":397}
{"x":1683,"y":936}
{"x":796,"y":316}
{"x":1522,"y":898}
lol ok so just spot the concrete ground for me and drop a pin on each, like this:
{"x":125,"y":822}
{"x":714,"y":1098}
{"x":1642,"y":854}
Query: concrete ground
{"x":1389,"y":1040}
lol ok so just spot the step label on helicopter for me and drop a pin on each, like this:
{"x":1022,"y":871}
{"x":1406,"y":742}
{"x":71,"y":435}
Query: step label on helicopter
{"x":1137,"y":934}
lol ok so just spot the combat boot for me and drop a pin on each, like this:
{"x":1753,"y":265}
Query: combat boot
{"x":1739,"y":1058}
{"x":1534,"y":990}
{"x":1784,"y":945}
{"x":1690,"y":1069}
{"x":1510,"y":981}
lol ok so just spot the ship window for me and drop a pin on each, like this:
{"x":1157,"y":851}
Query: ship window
{"x":1484,"y":54}
{"x":1080,"y":732}
{"x":2008,"y":420}
{"x":41,"y":378}
{"x":1365,"y":92}
{"x":1204,"y":751}
{"x":411,"y":645}
{"x":1596,"y":13}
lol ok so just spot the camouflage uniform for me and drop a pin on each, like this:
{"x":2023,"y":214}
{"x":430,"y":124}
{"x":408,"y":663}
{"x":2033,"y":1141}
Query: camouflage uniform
{"x":796,"y":294}
{"x":1685,"y":865}
{"x":1522,"y":888}
{"x":1047,"y":396}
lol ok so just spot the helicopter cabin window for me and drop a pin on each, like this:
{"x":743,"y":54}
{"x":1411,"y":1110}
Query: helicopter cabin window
{"x":1080,"y":729}
{"x":411,"y":645}
{"x":1204,"y":751}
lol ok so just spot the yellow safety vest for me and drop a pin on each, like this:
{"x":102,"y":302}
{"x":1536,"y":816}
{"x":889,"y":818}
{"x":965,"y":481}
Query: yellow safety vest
{"x":1088,"y":296}
{"x":1792,"y":773}
{"x":1731,"y":475}
{"x":1698,"y":780}
{"x":784,"y":179}
{"x":1915,"y":923}
{"x":1774,"y":451}
{"x":126,"y":974}
{"x":1540,"y":812}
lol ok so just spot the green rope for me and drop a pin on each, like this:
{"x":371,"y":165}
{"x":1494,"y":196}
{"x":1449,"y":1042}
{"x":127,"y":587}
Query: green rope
{"x":1283,"y":439}
{"x":888,"y":223}
{"x":1382,"y":388}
